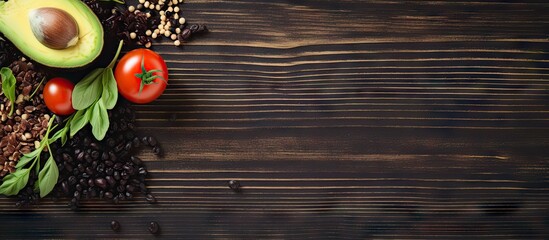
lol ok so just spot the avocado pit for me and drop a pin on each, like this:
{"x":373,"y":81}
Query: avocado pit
{"x":53,"y":27}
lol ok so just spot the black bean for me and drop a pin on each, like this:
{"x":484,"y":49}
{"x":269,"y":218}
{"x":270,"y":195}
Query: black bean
{"x":100,"y":168}
{"x":116,"y":175}
{"x":110,"y":141}
{"x":109,"y":171}
{"x":91,"y":182}
{"x":80,"y":156}
{"x":112,"y":156}
{"x":83,"y":182}
{"x":150,"y":198}
{"x":118,"y":166}
{"x":77,"y":195}
{"x":157,"y":150}
{"x":125,"y":175}
{"x":121,"y":195}
{"x":234,"y":185}
{"x":67,"y":157}
{"x":92,"y":191}
{"x":105,"y":156}
{"x":154,"y":228}
{"x":65,"y":187}
{"x":94,"y":145}
{"x":72,"y":180}
{"x":108,"y":195}
{"x":110,"y":180}
{"x":95,"y":155}
{"x":136,"y":160}
{"x":136,"y":142}
{"x":152,"y":141}
{"x":101,"y":182}
{"x":115,"y":225}
{"x":122,"y":182}
{"x":185,"y":34}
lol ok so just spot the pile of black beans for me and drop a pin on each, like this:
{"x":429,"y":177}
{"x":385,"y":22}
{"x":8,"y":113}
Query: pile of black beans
{"x":107,"y":169}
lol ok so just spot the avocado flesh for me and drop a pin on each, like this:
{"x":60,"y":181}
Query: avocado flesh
{"x":15,"y":25}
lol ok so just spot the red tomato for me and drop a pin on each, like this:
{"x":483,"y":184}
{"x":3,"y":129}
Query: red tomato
{"x":58,"y":96}
{"x":141,"y":76}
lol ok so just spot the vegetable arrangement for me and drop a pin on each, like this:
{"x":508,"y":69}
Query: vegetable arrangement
{"x":104,"y":166}
{"x":91,"y":97}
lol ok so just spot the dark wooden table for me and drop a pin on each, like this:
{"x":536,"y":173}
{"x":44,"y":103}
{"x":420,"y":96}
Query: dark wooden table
{"x":341,"y":119}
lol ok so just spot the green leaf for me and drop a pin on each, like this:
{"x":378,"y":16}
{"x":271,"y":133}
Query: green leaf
{"x":8,"y":86}
{"x":28,"y":157}
{"x":99,"y":121}
{"x":79,"y":120}
{"x":88,"y":90}
{"x":14,"y":182}
{"x":47,"y":178}
{"x":110,"y":90}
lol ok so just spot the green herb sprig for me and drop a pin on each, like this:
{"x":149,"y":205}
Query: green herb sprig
{"x":47,"y":176}
{"x":8,"y":86}
{"x":92,"y":97}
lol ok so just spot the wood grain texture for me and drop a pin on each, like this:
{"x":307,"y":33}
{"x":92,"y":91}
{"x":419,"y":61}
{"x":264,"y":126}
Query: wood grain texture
{"x":342,"y":119}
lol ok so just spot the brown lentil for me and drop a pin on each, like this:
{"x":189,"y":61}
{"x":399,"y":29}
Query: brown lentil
{"x":20,"y":132}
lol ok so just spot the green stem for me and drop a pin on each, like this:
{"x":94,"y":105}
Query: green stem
{"x":38,"y":87}
{"x":12,"y":108}
{"x":111,"y":65}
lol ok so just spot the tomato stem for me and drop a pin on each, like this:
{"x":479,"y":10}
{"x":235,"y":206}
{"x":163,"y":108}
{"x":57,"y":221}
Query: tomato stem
{"x":147,"y":77}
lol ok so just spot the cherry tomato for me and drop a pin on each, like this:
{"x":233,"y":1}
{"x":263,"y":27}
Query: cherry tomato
{"x":141,"y":76}
{"x":58,"y":96}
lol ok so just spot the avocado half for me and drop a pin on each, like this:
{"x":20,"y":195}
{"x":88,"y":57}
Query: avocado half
{"x":15,"y":25}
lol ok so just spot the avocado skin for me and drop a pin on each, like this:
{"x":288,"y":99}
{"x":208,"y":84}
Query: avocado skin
{"x":15,"y":26}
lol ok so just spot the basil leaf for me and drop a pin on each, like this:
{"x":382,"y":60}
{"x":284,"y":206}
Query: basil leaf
{"x":78,"y":122}
{"x":25,"y":159}
{"x":47,"y":178}
{"x":8,"y":86}
{"x":99,"y":121}
{"x":88,"y":90}
{"x":14,"y":182}
{"x":110,"y":90}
